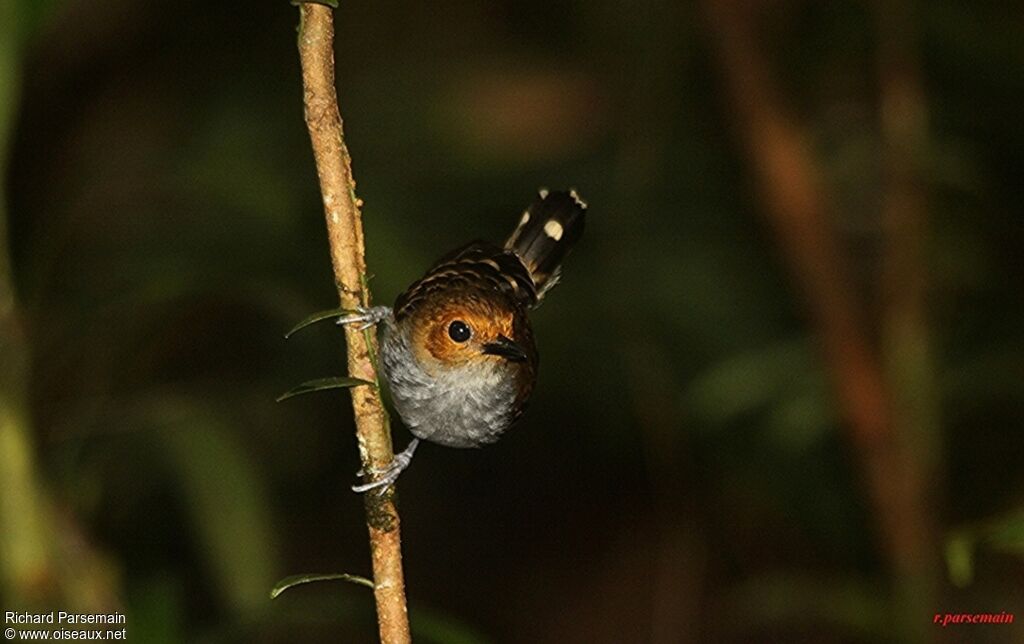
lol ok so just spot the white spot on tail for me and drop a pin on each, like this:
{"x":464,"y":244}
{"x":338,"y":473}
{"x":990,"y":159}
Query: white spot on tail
{"x":576,"y":197}
{"x":553,"y":229}
{"x":526,"y":218}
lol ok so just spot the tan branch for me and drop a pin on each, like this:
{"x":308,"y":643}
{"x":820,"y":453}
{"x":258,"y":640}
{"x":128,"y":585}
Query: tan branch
{"x":345,"y":234}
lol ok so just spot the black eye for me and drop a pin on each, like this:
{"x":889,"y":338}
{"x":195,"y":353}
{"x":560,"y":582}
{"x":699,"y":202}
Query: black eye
{"x":459,"y":331}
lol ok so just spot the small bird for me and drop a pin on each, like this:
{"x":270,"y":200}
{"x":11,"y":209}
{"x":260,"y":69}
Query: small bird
{"x":457,"y":350}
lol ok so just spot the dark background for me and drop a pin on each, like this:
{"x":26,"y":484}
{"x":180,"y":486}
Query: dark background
{"x":797,"y":210}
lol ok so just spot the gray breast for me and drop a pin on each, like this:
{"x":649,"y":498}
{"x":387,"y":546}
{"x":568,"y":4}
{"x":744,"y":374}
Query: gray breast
{"x":461,"y":407}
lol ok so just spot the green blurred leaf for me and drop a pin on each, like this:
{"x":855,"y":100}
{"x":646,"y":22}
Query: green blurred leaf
{"x":317,"y":317}
{"x":29,"y":16}
{"x":320,"y":384}
{"x":297,"y":580}
{"x":1004,"y":534}
{"x":801,"y":418}
{"x":959,"y":553}
{"x":749,"y":381}
{"x":223,"y":492}
{"x":776,"y":599}
{"x":156,"y":611}
{"x":1007,"y":534}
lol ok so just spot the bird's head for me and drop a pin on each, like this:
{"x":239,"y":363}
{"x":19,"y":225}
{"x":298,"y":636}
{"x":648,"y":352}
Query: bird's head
{"x":471,"y":330}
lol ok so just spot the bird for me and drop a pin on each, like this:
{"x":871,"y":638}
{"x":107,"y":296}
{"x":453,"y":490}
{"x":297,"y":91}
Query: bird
{"x":457,"y":350}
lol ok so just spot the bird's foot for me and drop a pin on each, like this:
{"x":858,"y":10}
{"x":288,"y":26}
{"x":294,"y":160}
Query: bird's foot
{"x":366,"y":317}
{"x":387,"y":475}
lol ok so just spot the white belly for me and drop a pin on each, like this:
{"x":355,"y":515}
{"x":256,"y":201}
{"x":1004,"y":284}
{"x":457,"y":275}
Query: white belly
{"x":461,"y":407}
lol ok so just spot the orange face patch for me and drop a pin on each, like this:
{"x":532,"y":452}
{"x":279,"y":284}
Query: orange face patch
{"x":456,"y":332}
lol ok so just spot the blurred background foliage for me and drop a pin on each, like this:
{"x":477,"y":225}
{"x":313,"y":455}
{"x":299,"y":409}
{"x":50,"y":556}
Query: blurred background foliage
{"x":684,"y":473}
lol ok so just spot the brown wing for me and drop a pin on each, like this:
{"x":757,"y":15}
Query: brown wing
{"x":479,"y":265}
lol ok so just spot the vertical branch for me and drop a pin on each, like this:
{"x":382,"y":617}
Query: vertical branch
{"x":345,"y":234}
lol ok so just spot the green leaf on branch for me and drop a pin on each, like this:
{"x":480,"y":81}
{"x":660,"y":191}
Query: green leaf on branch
{"x":317,"y":317}
{"x":320,"y":384}
{"x":297,"y":580}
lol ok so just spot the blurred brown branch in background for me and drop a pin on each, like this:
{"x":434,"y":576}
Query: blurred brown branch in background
{"x":345,"y":233}
{"x":45,"y":560}
{"x":873,"y":403}
{"x":25,"y":553}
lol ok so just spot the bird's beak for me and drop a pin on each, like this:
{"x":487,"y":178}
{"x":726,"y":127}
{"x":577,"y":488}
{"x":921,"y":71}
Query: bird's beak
{"x":506,"y":349}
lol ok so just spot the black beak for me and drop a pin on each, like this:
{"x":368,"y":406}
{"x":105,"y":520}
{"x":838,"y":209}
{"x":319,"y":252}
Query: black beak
{"x":506,"y":349}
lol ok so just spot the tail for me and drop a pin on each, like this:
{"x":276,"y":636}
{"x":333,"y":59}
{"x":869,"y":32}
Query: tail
{"x":549,"y":229}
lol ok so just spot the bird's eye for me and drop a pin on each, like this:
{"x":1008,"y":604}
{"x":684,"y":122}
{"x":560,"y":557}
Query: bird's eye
{"x":459,"y":331}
